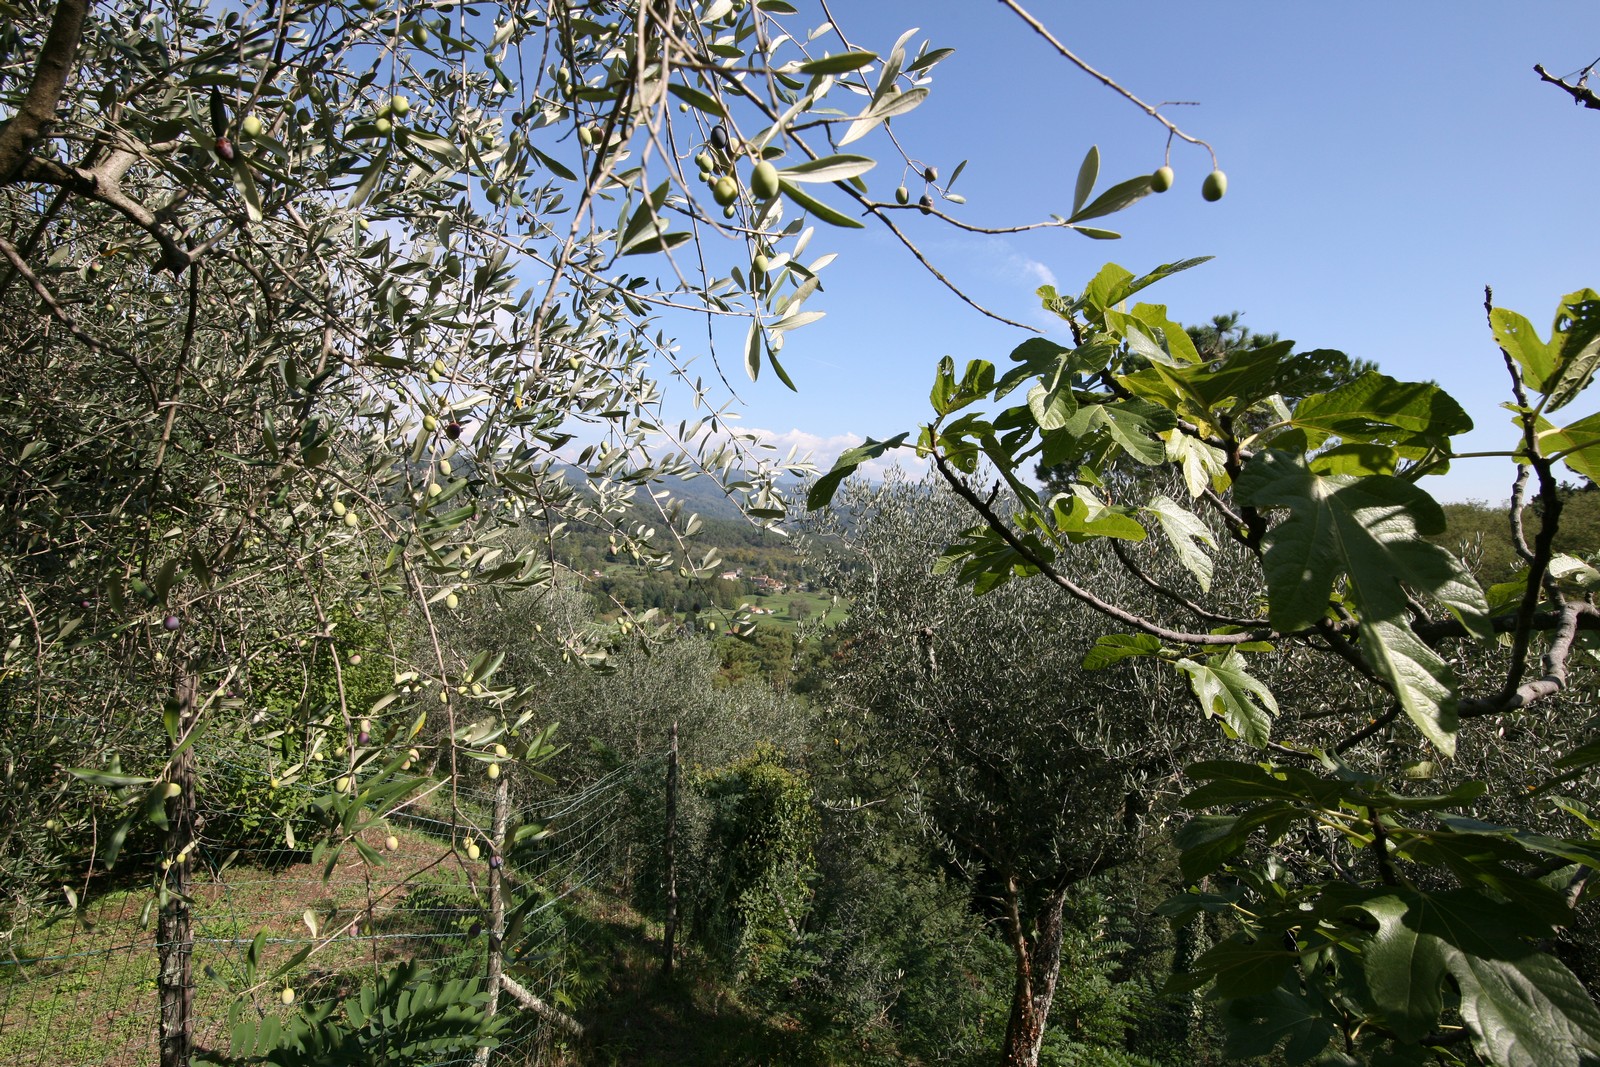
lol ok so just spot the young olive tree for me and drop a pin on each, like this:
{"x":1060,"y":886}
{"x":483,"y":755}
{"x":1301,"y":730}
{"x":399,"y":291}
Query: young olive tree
{"x":1033,"y":774}
{"x":1382,"y":920}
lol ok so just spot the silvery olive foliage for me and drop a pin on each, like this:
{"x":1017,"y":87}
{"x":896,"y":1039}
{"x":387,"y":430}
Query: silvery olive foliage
{"x":309,"y":307}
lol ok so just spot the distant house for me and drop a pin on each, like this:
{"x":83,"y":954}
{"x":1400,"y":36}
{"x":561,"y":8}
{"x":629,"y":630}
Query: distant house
{"x":768,"y":585}
{"x":729,"y":576}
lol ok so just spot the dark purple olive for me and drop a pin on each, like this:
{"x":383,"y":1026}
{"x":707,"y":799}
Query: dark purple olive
{"x":719,"y":137}
{"x":225,"y":149}
{"x":453,"y":431}
{"x":84,"y":604}
{"x":363,"y":737}
{"x":517,"y":119}
{"x":494,"y":863}
{"x":171,"y":623}
{"x":925,"y":204}
{"x":475,"y":929}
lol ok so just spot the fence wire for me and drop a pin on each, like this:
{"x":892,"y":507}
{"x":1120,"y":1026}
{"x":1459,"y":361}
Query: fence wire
{"x":81,"y":993}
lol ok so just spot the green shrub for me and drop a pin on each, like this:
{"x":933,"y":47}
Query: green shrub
{"x":753,"y":888}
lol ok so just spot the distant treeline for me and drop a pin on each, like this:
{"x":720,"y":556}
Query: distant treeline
{"x":1481,"y":532}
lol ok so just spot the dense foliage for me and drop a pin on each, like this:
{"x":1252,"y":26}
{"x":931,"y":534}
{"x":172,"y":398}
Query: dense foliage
{"x":1365,"y":899}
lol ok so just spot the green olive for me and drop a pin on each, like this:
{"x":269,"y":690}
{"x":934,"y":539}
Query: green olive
{"x":1162,"y":179}
{"x":764,"y":181}
{"x":902,"y":196}
{"x":1215,"y":185}
{"x":726,"y":191}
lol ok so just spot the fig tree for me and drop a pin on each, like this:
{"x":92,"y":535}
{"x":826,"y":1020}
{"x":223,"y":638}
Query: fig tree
{"x":1215,"y":185}
{"x":1162,"y":179}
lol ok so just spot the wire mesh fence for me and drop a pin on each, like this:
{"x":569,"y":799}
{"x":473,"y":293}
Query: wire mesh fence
{"x":528,"y":906}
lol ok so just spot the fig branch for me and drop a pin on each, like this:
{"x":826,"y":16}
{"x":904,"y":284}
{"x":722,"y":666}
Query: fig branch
{"x":1580,"y":93}
{"x":1071,"y":588}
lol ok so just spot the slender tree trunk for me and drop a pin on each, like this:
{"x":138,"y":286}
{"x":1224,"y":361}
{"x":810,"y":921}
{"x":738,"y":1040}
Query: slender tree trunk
{"x":497,"y":904}
{"x":174,"y":932}
{"x":1038,"y":959}
{"x":670,"y":929}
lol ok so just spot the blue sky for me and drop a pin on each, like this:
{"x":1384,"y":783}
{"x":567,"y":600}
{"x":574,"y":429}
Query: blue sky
{"x":1385,"y":162}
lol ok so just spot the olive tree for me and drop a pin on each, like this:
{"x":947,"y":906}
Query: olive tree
{"x":1380,"y":919}
{"x":972,"y":713}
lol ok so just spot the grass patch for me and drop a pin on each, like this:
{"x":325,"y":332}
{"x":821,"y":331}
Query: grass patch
{"x":85,"y":993}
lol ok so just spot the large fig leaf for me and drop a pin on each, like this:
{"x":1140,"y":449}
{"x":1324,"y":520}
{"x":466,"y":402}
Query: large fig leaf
{"x":1188,"y":536}
{"x":1377,"y":409}
{"x":1523,"y":1007}
{"x":1577,"y":443}
{"x":1562,"y":367}
{"x":1369,"y":531}
{"x":1225,"y":689}
{"x":1577,"y":333}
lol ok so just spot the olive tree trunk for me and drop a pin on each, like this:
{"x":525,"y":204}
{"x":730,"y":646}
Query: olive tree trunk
{"x":174,"y":931}
{"x":1036,"y":946}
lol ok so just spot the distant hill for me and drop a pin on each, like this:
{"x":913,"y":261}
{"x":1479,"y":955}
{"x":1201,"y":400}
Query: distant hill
{"x":702,"y":496}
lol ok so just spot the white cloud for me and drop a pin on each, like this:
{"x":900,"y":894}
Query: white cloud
{"x":1033,"y":269}
{"x":823,"y":451}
